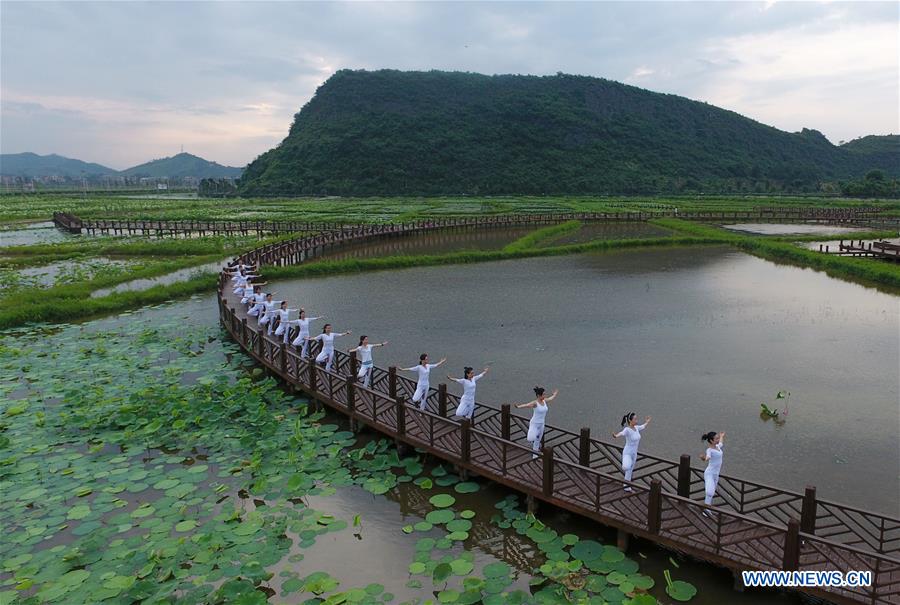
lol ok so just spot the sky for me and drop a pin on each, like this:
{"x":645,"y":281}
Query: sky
{"x":120,"y":83}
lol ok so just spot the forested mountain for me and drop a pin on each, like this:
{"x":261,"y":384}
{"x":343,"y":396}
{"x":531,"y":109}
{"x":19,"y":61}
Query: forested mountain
{"x":391,"y":132}
{"x":34,"y":165}
{"x":183,"y":165}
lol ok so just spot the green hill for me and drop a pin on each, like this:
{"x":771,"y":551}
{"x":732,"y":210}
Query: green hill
{"x":391,"y":132}
{"x":183,"y":165}
{"x":34,"y":165}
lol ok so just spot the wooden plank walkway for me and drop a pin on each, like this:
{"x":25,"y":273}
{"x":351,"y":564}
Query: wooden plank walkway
{"x":753,"y":526}
{"x":160,"y":228}
{"x":883,"y":250}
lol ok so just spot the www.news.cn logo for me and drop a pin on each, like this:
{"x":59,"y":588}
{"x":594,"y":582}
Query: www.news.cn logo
{"x":807,"y":579}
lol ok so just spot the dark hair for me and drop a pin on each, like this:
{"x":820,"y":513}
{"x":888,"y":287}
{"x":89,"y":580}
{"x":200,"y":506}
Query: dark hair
{"x":708,"y":436}
{"x":284,"y":302}
{"x":466,"y":371}
{"x":325,"y":327}
{"x":538,"y":391}
{"x":627,"y":417}
{"x":362,"y":338}
{"x":302,"y":311}
{"x":423,"y":357}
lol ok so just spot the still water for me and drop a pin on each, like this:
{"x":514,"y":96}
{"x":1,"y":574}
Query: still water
{"x":697,"y":338}
{"x":613,"y":230}
{"x":793,"y":229}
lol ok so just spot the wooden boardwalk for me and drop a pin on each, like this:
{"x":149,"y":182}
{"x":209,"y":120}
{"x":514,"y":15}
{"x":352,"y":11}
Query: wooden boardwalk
{"x":753,"y":526}
{"x":882,"y":250}
{"x":160,"y":228}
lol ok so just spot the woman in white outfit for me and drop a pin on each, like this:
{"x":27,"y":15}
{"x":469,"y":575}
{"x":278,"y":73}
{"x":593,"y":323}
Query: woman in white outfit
{"x":326,"y":355}
{"x":466,"y":408}
{"x":631,"y":430}
{"x":257,"y":302}
{"x":267,"y":313}
{"x":364,"y":353}
{"x":302,"y":339}
{"x":281,"y":316}
{"x":536,"y":425}
{"x":424,"y":368}
{"x":713,"y":457}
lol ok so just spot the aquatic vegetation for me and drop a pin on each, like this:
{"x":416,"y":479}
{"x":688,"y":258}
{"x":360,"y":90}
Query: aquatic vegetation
{"x":540,"y":235}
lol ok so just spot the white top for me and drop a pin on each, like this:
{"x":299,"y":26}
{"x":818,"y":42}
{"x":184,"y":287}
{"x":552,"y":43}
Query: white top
{"x":714,"y":454}
{"x":540,"y":413}
{"x":468,"y":395}
{"x":283,"y":314}
{"x":632,"y":436}
{"x":327,"y":341}
{"x":364,"y":354}
{"x":424,"y":371}
{"x":259,"y":298}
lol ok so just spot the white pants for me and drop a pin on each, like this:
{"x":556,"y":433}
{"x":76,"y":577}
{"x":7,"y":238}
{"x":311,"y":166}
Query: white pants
{"x":325,"y":358}
{"x":264,"y":319}
{"x":365,"y":374}
{"x":301,"y":341}
{"x":535,"y":434}
{"x":280,"y":330}
{"x":628,"y":461}
{"x":466,"y":409}
{"x":712,"y":481}
{"x":421,"y":395}
{"x":254,"y":310}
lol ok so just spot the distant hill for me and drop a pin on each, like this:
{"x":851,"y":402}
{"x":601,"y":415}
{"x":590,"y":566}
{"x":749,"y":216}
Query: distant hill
{"x":391,"y":132}
{"x":34,"y":165}
{"x":183,"y":165}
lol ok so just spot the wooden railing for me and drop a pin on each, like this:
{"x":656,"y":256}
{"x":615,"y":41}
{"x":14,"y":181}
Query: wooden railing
{"x":757,"y":526}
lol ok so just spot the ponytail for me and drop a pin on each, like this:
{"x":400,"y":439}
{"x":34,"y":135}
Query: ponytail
{"x":627,"y":418}
{"x":538,"y":391}
{"x":708,"y":436}
{"x":361,"y":339}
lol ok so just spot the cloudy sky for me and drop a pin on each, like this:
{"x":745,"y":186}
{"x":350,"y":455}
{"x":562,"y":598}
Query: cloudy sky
{"x":121,"y":83}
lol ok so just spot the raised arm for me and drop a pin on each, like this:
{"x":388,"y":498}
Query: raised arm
{"x":480,"y":376}
{"x":343,"y":333}
{"x":443,"y":359}
{"x":530,"y":404}
{"x":553,"y":396}
{"x":721,"y":439}
{"x":647,"y":420}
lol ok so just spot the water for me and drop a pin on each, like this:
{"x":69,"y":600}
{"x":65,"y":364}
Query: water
{"x":379,"y":552}
{"x":435,"y":242}
{"x":793,"y":229}
{"x":162,"y":280}
{"x":69,"y":270}
{"x":33,"y":233}
{"x":834,"y":244}
{"x":613,"y":230}
{"x":697,"y":338}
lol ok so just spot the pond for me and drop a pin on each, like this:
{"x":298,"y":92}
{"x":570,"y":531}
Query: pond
{"x":162,"y":280}
{"x":33,"y":233}
{"x":794,"y":229}
{"x":107,"y":503}
{"x":697,"y":338}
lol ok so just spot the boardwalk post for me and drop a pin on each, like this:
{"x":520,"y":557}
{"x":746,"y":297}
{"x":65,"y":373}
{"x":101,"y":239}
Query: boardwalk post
{"x":442,"y":400}
{"x":464,"y":440}
{"x":350,"y":385}
{"x":584,"y":447}
{"x":354,"y":364}
{"x":261,"y":333}
{"x":283,"y":355}
{"x":392,"y":382}
{"x":654,"y":507}
{"x":808,"y":511}
{"x":791,"y":561}
{"x":401,"y":415}
{"x":504,"y":421}
{"x":684,"y":476}
{"x":312,"y":375}
{"x":548,"y":471}
{"x":244,"y":329}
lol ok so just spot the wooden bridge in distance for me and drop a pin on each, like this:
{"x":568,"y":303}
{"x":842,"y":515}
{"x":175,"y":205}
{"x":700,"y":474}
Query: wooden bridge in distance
{"x":68,"y":222}
{"x":757,"y":526}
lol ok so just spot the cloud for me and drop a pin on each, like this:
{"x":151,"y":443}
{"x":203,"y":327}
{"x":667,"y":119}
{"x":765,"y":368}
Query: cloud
{"x":122,"y":82}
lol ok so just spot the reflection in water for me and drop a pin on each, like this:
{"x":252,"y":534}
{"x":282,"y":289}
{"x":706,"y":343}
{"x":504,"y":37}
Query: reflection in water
{"x":34,"y":233}
{"x":793,"y":229}
{"x":432,"y":242}
{"x":834,"y":244}
{"x":612,"y":230}
{"x":697,"y":338}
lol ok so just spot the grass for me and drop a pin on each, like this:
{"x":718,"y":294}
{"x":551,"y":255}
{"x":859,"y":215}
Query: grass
{"x":541,"y":235}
